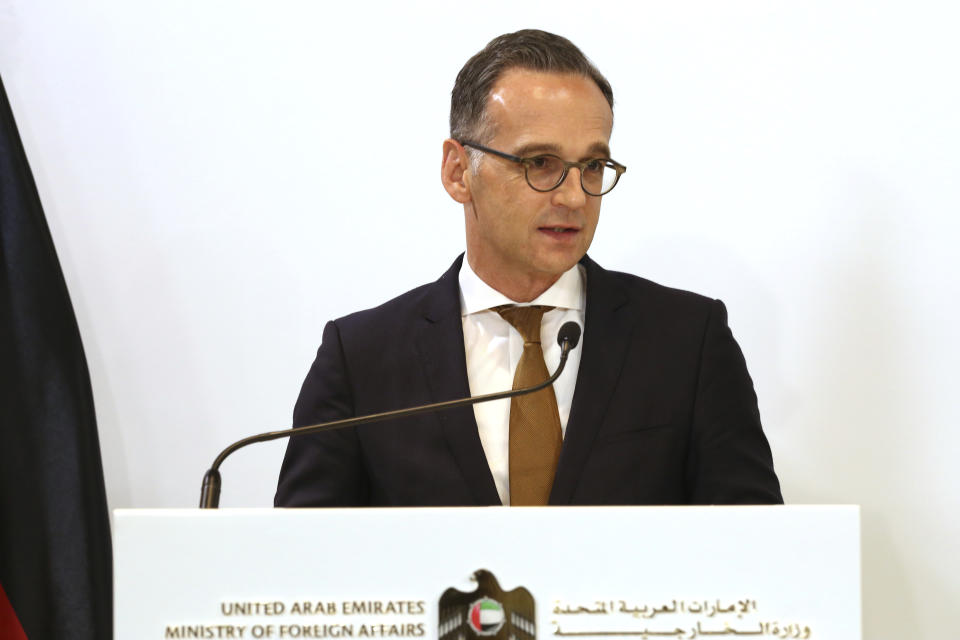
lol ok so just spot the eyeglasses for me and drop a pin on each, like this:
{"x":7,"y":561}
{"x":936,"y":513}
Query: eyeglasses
{"x":546,"y":172}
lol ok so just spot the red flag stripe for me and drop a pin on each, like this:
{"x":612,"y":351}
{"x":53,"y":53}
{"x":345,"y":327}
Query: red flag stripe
{"x":475,"y":616}
{"x":10,"y":628}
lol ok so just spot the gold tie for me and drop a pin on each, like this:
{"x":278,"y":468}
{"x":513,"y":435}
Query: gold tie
{"x":535,"y":436}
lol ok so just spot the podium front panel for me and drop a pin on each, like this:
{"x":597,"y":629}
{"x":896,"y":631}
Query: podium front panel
{"x":498,"y":573}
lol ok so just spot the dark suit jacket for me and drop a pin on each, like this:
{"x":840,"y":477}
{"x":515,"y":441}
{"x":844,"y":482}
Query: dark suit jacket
{"x":664,"y":410}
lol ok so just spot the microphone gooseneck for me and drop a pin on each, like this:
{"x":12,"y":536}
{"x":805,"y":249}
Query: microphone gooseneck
{"x":568,"y":337}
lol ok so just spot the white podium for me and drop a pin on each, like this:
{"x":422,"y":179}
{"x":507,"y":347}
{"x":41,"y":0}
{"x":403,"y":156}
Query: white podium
{"x":510,"y":573}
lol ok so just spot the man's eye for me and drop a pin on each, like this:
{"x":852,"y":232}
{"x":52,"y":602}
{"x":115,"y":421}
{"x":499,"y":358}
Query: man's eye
{"x":595,"y":166}
{"x":539,"y":162}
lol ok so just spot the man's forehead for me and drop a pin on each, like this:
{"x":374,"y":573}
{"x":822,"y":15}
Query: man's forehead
{"x":520,"y":83}
{"x":542,"y":112}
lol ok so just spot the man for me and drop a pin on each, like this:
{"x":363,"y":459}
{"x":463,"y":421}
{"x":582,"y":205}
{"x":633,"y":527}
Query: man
{"x":654,"y":407}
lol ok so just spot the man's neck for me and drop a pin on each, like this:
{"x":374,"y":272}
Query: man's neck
{"x":568,"y":292}
{"x":522,"y":288}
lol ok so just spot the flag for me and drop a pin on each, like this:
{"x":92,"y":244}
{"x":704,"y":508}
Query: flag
{"x":486,"y":616}
{"x":55,"y":555}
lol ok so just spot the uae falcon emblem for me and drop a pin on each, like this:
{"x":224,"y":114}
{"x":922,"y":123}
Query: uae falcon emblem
{"x":488,"y":612}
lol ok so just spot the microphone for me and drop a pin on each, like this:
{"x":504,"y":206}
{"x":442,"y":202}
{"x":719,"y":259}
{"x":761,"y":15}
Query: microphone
{"x":568,"y":338}
{"x":570,"y":333}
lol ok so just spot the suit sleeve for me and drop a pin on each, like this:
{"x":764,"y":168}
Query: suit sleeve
{"x":324,"y":469}
{"x":729,"y":460}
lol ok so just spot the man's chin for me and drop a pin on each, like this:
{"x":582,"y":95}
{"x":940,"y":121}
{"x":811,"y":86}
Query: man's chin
{"x":550,"y":273}
{"x":559,"y":262}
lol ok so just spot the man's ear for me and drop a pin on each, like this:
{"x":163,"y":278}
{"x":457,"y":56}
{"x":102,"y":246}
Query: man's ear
{"x":454,"y":171}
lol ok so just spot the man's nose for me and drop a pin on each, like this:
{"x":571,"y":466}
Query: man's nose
{"x":570,"y":193}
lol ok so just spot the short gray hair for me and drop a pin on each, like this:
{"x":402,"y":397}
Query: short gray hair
{"x":527,"y":49}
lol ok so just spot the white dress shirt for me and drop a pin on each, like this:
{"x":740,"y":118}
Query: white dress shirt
{"x":493,"y":349}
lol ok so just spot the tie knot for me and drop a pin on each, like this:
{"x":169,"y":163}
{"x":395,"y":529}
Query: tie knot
{"x":526,"y":320}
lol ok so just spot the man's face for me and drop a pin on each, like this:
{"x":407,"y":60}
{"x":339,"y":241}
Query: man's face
{"x":519,"y":239}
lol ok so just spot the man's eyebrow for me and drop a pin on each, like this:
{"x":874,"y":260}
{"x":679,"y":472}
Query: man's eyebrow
{"x":535,"y":148}
{"x":596,"y":150}
{"x":599,"y":150}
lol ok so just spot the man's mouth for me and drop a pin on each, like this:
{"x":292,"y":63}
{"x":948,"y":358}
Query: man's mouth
{"x":559,"y":229}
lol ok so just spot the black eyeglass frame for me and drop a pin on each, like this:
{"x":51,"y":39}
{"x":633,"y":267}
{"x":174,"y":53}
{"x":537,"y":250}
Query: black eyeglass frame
{"x":611,"y":163}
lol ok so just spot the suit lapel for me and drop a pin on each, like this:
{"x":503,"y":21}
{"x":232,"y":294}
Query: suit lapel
{"x":440,"y":347}
{"x":605,"y":340}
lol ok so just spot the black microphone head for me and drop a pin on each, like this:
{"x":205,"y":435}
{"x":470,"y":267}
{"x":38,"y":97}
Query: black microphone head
{"x":569,"y":332}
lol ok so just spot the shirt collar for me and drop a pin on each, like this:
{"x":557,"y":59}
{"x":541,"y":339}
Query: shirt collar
{"x":476,"y":295}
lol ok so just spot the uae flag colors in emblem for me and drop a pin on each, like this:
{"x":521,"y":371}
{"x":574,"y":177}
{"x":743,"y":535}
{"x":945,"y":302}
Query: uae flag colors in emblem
{"x":486,"y":616}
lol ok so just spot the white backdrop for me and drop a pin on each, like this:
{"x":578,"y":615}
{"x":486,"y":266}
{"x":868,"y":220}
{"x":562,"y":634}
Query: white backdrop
{"x":222,"y":177}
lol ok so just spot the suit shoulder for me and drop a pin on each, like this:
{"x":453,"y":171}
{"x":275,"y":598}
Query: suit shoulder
{"x":431,"y":301}
{"x":398,"y":307}
{"x":649,"y":292}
